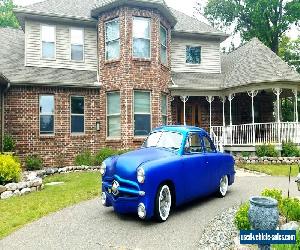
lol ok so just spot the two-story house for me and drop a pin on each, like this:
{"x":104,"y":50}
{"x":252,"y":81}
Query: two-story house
{"x":81,"y":75}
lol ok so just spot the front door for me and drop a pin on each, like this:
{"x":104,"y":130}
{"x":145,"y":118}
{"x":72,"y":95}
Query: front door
{"x":192,"y":115}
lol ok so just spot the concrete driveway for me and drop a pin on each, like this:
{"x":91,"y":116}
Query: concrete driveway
{"x":90,"y":226}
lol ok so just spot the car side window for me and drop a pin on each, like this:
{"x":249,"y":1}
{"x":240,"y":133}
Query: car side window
{"x":193,"y":144}
{"x":208,"y":145}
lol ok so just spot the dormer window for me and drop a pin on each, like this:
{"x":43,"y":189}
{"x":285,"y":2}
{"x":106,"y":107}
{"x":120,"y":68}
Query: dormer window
{"x":112,"y":40}
{"x":48,"y":41}
{"x":193,"y":55}
{"x":141,"y":37}
{"x":77,"y":44}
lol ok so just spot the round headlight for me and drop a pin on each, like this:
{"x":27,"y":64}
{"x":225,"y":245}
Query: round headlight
{"x":140,"y":175}
{"x":103,"y":168}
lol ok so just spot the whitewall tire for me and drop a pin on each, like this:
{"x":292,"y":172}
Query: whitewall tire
{"x":163,"y":203}
{"x":223,"y":188}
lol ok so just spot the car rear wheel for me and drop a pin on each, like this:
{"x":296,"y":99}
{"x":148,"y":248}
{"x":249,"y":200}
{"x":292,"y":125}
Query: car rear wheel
{"x":163,"y":203}
{"x":223,"y":188}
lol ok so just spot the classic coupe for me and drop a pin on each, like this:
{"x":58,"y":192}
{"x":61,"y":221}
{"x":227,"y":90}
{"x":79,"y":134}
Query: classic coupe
{"x":176,"y":164}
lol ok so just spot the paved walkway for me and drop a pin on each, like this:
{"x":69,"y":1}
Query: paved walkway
{"x":90,"y":226}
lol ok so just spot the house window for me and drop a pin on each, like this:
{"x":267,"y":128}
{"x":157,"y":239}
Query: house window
{"x":163,"y":45}
{"x":142,"y":113}
{"x":164,"y":109}
{"x":46,"y":114}
{"x":77,"y":44}
{"x":112,"y":40}
{"x":48,"y":41}
{"x":193,"y":55}
{"x":113,"y":115}
{"x":141,"y":37}
{"x":77,"y":114}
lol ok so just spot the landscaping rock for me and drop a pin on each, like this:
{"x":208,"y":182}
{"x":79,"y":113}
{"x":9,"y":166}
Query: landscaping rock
{"x":2,"y":189}
{"x":25,"y":191}
{"x":31,"y":176}
{"x":293,"y":225}
{"x":22,"y":185}
{"x":36,"y":182}
{"x":49,"y":171}
{"x":17,"y":193}
{"x":11,"y":186}
{"x":33,"y":189}
{"x":6,"y":195}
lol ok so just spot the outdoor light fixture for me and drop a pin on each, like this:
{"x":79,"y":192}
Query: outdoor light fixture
{"x":98,"y":126}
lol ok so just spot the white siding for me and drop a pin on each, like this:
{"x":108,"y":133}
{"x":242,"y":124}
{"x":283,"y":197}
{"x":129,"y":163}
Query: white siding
{"x":210,"y":55}
{"x":63,"y":48}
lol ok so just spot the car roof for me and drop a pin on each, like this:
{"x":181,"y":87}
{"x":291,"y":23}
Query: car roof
{"x":181,"y":128}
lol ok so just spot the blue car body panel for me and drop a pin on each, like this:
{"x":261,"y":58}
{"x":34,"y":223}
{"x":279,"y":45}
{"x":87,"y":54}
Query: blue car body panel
{"x":191,"y":175}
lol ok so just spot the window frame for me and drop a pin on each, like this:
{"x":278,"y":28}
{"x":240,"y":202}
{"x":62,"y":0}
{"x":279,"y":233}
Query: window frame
{"x":71,"y":114}
{"x":212,"y":146}
{"x":187,"y":141}
{"x":41,"y":114}
{"x":113,"y":115}
{"x":200,"y":59}
{"x":83,"y":44}
{"x":166,"y":46}
{"x":133,"y":109}
{"x":150,"y":33}
{"x":105,"y":41}
{"x":164,"y":95}
{"x":41,"y":42}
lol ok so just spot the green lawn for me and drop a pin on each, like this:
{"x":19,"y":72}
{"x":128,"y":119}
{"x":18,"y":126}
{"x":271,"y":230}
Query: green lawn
{"x":17,"y":211}
{"x":274,"y":170}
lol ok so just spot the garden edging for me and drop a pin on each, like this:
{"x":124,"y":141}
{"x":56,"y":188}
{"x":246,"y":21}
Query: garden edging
{"x":267,"y":160}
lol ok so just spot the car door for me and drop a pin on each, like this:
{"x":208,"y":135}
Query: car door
{"x":194,"y":167}
{"x":213,"y":164}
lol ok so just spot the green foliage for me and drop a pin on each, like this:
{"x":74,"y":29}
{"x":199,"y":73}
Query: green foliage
{"x":246,"y":154}
{"x":273,"y":193}
{"x":10,"y":169}
{"x":7,"y":17}
{"x":241,"y":219}
{"x":266,"y":150}
{"x":33,"y":162}
{"x":266,"y":20}
{"x":9,"y":143}
{"x":289,"y":246}
{"x":104,"y":153}
{"x":289,"y":51}
{"x":290,"y":149}
{"x":84,"y":159}
{"x":290,"y":208}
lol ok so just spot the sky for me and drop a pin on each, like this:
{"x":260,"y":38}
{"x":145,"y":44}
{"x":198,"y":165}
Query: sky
{"x":187,"y":6}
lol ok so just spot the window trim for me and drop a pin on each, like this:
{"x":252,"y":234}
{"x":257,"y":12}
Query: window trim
{"x":41,"y":42}
{"x":150,"y":34}
{"x":40,"y":114}
{"x":114,"y":115}
{"x":83,"y":45}
{"x":193,"y":46}
{"x":166,"y":46}
{"x":84,"y":130}
{"x":105,"y":41}
{"x":133,"y":109}
{"x":164,"y":115}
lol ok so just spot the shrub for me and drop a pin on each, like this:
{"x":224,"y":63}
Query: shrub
{"x":10,"y":169}
{"x":266,"y":150}
{"x":273,"y":193}
{"x":241,"y":219}
{"x":9,"y":143}
{"x":104,"y":154}
{"x":289,"y":246}
{"x":245,"y":154}
{"x":85,"y":158}
{"x":290,"y":208}
{"x":290,"y":149}
{"x":33,"y":162}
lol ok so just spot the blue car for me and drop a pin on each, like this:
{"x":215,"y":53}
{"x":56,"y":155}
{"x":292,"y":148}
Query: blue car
{"x":176,"y":164}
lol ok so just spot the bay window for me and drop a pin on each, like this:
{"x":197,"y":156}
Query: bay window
{"x":163,"y":45}
{"x":112,"y":40}
{"x":77,"y":44}
{"x":164,"y":109}
{"x":113,"y":115}
{"x":77,"y":114}
{"x":48,"y":41}
{"x":46,"y":104}
{"x":141,"y":37}
{"x":142,"y":113}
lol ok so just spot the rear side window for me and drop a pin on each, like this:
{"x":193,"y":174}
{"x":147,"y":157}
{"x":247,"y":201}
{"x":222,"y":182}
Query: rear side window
{"x":193,"y":144}
{"x":208,"y":145}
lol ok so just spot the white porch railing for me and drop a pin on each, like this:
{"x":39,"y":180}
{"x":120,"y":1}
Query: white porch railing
{"x":256,"y":134}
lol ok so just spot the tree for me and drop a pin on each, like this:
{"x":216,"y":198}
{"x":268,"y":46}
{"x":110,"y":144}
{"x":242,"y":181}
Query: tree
{"x":267,"y":20}
{"x":7,"y":17}
{"x":289,"y":51}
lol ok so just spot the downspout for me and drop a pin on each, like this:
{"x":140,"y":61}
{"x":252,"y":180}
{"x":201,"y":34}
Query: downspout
{"x":2,"y":113}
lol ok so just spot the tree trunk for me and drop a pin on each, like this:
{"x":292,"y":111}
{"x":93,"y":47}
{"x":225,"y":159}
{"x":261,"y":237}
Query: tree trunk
{"x":275,"y":45}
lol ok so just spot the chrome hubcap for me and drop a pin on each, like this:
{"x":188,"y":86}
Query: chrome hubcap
{"x":224,"y":185}
{"x":164,"y":202}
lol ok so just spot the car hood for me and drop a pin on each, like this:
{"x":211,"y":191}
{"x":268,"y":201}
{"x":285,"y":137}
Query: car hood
{"x":126,"y":164}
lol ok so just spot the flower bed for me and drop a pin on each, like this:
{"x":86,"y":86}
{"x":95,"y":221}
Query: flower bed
{"x":267,"y":160}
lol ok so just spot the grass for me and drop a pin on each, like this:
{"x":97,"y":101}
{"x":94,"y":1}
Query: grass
{"x":274,"y":170}
{"x":18,"y":211}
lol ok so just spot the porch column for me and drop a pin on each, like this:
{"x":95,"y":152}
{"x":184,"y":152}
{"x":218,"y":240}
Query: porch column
{"x":252,"y":94}
{"x":230,"y":98}
{"x":295,"y":91}
{"x":210,"y":99}
{"x":223,"y":100}
{"x":277,"y":92}
{"x":184,"y":99}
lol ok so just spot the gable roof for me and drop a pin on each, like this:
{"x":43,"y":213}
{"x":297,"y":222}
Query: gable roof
{"x":13,"y":69}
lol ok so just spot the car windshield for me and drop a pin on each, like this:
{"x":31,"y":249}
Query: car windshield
{"x":164,"y":139}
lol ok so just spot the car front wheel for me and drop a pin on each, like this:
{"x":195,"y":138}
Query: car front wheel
{"x":223,"y":188}
{"x":163,"y":203}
